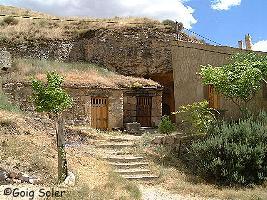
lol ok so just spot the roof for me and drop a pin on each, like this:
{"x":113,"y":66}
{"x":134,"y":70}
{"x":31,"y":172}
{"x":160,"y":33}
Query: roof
{"x":94,"y":79}
{"x":75,"y":75}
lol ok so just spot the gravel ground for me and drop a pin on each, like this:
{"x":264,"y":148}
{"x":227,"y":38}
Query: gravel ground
{"x":158,"y":193}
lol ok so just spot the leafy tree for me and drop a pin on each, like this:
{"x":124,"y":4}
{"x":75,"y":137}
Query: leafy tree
{"x":239,"y":80}
{"x":50,"y":97}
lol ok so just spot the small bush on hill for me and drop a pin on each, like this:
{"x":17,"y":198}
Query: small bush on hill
{"x":171,"y":23}
{"x":10,"y":21}
{"x":234,"y":153}
{"x":196,"y":118}
{"x":166,"y":126}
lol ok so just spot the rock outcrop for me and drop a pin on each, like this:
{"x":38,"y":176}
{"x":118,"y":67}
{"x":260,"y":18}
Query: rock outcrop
{"x":141,"y":50}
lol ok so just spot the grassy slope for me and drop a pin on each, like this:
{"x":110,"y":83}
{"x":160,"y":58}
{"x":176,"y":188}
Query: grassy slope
{"x":75,"y":73}
{"x":28,"y":146}
{"x":45,"y":28}
{"x":11,"y":10}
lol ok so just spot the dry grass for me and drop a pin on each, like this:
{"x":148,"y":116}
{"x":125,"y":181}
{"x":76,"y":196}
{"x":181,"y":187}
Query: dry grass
{"x":28,"y":147}
{"x":96,"y":181}
{"x":48,"y":27}
{"x":78,"y":74}
{"x":11,"y":10}
{"x":63,"y":28}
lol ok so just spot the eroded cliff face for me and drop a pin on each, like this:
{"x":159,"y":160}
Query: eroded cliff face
{"x":136,"y":50}
{"x":139,"y":51}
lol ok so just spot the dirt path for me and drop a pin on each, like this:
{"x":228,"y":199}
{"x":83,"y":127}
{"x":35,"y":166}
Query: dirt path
{"x":158,"y":193}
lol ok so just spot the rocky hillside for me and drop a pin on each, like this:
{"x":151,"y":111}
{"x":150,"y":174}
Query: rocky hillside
{"x":131,"y":46}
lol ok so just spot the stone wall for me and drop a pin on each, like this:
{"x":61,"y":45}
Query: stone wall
{"x":40,"y":49}
{"x":81,"y":109}
{"x":187,"y":60}
{"x":80,"y":113}
{"x":130,"y":101}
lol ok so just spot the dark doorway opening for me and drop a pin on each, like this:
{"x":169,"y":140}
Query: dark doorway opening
{"x":143,"y":111}
{"x":168,"y":105}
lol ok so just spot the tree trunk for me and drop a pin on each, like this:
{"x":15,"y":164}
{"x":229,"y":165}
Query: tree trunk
{"x":62,"y":161}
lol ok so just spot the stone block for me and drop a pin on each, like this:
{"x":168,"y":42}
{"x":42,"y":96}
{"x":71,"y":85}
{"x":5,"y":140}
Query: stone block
{"x":5,"y":59}
{"x":3,"y":176}
{"x":133,"y":128}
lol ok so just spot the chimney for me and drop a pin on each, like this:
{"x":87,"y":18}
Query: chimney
{"x":240,"y":44}
{"x":248,"y":42}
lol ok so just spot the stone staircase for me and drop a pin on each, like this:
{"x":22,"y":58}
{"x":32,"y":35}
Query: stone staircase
{"x":115,"y":152}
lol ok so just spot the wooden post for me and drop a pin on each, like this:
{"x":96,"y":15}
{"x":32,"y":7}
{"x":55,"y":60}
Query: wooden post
{"x":62,"y":161}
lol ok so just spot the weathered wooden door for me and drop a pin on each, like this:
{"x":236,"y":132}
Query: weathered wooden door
{"x":99,"y":113}
{"x":143,"y":111}
{"x":213,"y":98}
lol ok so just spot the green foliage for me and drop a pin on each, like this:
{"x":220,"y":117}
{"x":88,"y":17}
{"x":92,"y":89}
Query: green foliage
{"x":166,"y":126}
{"x":234,"y":153}
{"x":10,"y":21}
{"x":50,"y":97}
{"x":239,"y":80}
{"x":169,"y":22}
{"x":197,"y":117}
{"x":6,"y":105}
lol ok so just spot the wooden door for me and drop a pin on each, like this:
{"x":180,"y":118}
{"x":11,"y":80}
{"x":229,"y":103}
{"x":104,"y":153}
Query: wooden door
{"x":213,"y":98}
{"x":99,"y":113}
{"x":143,"y":111}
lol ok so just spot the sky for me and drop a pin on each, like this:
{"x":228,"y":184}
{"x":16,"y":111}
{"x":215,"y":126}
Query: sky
{"x":223,"y":21}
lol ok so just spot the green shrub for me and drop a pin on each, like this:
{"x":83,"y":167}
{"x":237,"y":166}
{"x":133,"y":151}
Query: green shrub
{"x":10,"y":20}
{"x":166,"y":126}
{"x":196,"y":118}
{"x":233,"y":152}
{"x":169,"y":22}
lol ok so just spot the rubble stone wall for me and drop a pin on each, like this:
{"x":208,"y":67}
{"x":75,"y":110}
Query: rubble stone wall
{"x":80,"y":113}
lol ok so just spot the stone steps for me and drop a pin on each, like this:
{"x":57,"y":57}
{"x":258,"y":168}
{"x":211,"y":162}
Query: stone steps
{"x":139,"y":177}
{"x":128,"y":165}
{"x":124,"y":158}
{"x":134,"y":171}
{"x":115,"y":145}
{"x":112,"y":152}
